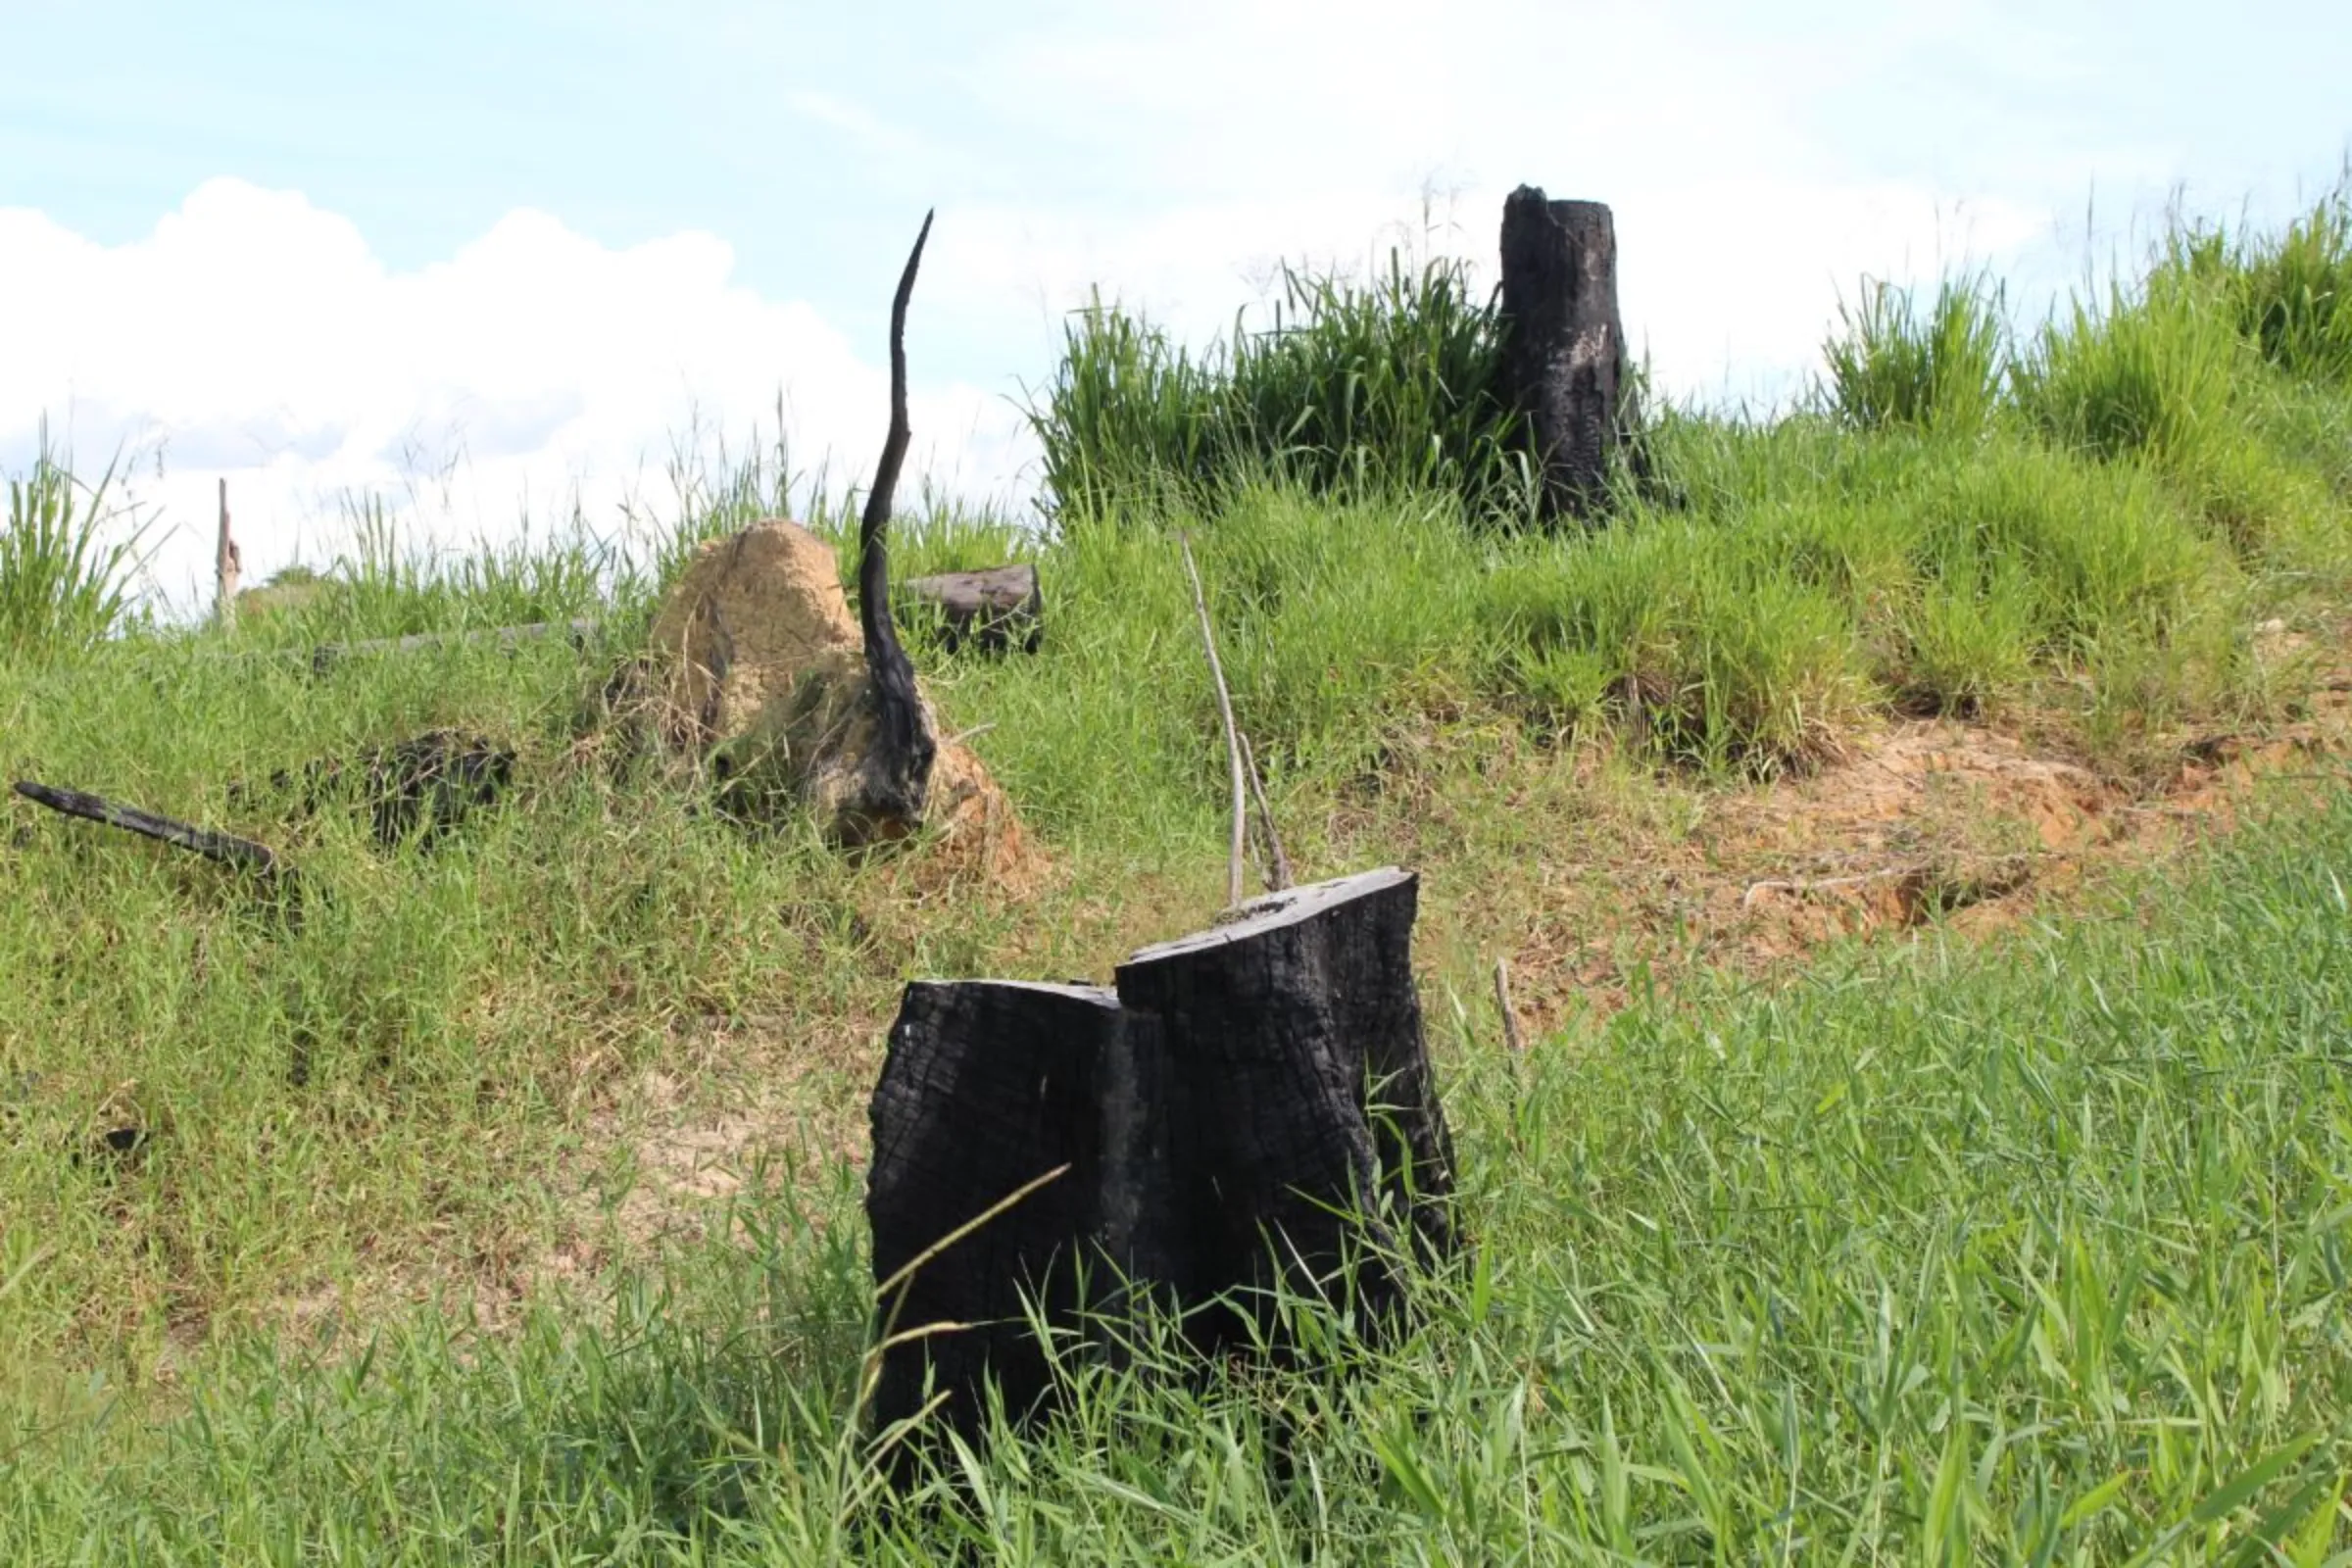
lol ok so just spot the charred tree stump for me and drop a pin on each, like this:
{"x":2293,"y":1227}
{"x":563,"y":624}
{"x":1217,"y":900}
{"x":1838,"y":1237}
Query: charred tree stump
{"x":1565,"y":363}
{"x":1306,"y":1107}
{"x":994,"y":611}
{"x":903,"y":745}
{"x":1250,"y":1109}
{"x":992,"y":1085}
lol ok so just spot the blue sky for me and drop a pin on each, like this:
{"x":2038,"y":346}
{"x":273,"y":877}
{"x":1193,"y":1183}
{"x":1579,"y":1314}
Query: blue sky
{"x":465,"y":253}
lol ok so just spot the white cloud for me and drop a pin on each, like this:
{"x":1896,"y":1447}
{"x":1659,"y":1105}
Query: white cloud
{"x":1170,"y":162}
{"x":254,"y":338}
{"x":1241,"y":133}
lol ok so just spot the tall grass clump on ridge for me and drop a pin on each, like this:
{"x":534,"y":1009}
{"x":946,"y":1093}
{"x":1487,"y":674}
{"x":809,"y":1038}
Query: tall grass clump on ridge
{"x":2220,"y":369}
{"x":1891,"y":367}
{"x":65,"y":585}
{"x":2291,"y":292}
{"x":1356,"y":387}
{"x":2153,"y":375}
{"x":1395,"y":386}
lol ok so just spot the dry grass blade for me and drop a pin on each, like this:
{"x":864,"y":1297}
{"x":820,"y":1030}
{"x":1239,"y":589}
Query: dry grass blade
{"x":1503,"y":1003}
{"x":1278,"y":864}
{"x":1233,"y":742}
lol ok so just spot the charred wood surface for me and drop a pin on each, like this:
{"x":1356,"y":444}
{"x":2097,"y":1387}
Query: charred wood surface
{"x":1308,"y":1111}
{"x":990,"y":1085}
{"x":1564,"y":356}
{"x":1247,"y":1109}
{"x":424,"y":785}
{"x":275,"y":879}
{"x":905,"y":744}
{"x":225,"y":848}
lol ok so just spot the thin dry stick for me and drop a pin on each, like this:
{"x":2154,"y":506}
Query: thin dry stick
{"x":1278,"y":868}
{"x":1233,"y":744}
{"x":1502,"y":1000}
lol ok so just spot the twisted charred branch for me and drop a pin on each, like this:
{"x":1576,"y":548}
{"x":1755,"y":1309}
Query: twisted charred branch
{"x":245,"y":856}
{"x":906,"y":744}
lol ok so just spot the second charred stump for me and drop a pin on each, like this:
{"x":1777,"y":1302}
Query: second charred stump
{"x":1564,"y":358}
{"x":1248,"y":1112}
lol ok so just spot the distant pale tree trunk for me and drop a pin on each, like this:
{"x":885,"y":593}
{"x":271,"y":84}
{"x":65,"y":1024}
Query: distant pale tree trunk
{"x":227,"y":567}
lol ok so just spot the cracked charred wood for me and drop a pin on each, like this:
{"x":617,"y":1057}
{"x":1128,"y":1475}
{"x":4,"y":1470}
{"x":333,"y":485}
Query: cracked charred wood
{"x":990,"y":1086}
{"x":1310,"y":1143}
{"x":1565,"y":363}
{"x":904,"y":742}
{"x":1250,"y":1109}
{"x":994,"y":610}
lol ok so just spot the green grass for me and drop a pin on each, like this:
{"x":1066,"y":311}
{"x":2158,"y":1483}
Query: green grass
{"x":2032,"y":1257}
{"x":1392,"y":384}
{"x":2032,"y":1254}
{"x":1889,"y":367}
{"x":65,"y":561}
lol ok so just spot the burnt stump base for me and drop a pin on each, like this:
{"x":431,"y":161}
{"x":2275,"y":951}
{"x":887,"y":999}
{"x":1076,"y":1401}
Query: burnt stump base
{"x":1248,"y":1110}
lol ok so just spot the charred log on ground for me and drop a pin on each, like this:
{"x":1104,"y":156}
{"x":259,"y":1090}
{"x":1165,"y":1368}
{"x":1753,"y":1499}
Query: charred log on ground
{"x":276,"y":880}
{"x":995,"y":611}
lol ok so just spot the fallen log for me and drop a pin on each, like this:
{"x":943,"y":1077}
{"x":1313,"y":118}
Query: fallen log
{"x":326,"y":656}
{"x":1247,"y":1112}
{"x":225,"y":848}
{"x":424,"y":785}
{"x":270,"y":872}
{"x":994,"y":611}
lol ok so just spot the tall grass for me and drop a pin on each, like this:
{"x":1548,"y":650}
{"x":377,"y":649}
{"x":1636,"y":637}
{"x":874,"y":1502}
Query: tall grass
{"x":66,"y":564}
{"x":1394,"y":386}
{"x":1891,"y":367}
{"x":2291,"y":292}
{"x":2153,"y":375}
{"x":1353,"y":389}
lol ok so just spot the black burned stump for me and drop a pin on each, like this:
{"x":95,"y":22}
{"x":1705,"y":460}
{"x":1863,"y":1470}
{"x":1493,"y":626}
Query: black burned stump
{"x":990,"y":1086}
{"x":1251,"y":1110}
{"x":1564,"y":367}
